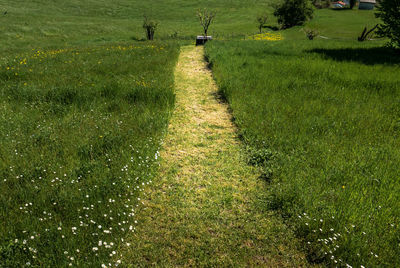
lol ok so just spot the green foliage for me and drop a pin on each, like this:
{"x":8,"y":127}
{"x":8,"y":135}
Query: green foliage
{"x":335,"y":138}
{"x":293,"y":12}
{"x":150,"y":27}
{"x":13,"y":254}
{"x":259,"y":157}
{"x":80,"y":131}
{"x":389,"y":13}
{"x":311,"y":33}
{"x":262,"y":158}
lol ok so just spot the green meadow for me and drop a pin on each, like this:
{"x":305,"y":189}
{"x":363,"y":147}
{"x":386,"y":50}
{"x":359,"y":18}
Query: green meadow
{"x":322,"y":120}
{"x":81,"y":130}
{"x":85,"y":103}
{"x":45,"y":23}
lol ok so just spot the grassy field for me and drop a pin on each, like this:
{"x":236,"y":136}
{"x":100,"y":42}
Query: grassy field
{"x":44,"y":23}
{"x":80,"y":130}
{"x":322,"y":119}
{"x":30,"y":24}
{"x":84,"y":106}
{"x":83,"y":109}
{"x":336,"y":24}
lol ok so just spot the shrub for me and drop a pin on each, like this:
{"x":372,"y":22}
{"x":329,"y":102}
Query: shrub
{"x":262,"y":20}
{"x":311,"y":33}
{"x":206,"y":17}
{"x":293,"y":12}
{"x":150,"y":27}
{"x":389,"y":13}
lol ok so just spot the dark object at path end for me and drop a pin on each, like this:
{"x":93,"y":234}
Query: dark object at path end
{"x":201,"y":40}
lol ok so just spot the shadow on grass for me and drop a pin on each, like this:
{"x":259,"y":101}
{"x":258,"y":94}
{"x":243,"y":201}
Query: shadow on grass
{"x":271,"y":27}
{"x":369,"y":56}
{"x":135,"y":38}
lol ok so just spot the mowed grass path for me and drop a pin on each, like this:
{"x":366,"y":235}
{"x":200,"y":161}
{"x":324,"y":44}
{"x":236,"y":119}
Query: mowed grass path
{"x":206,"y":208}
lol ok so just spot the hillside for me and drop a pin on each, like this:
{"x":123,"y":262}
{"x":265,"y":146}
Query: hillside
{"x":60,"y":23}
{"x":44,"y":23}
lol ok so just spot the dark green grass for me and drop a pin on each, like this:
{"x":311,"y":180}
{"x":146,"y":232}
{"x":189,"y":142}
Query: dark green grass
{"x":323,"y":120}
{"x":80,"y":130}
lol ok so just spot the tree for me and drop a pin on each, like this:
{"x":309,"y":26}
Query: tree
{"x":262,"y":20}
{"x":206,"y":17}
{"x":150,"y":27}
{"x":389,"y":13}
{"x":352,"y":3}
{"x":293,"y":12}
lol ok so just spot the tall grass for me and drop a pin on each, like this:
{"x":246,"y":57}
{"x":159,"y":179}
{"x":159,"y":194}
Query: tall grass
{"x":322,"y":119}
{"x":80,"y":131}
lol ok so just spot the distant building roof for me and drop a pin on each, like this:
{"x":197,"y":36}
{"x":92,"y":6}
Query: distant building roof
{"x":368,"y":1}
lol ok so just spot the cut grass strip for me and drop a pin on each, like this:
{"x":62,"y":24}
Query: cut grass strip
{"x":206,"y":207}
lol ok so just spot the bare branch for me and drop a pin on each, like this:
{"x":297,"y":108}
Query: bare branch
{"x":206,"y":17}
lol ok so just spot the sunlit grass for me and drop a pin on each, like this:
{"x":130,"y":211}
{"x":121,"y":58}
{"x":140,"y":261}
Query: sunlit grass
{"x":322,"y":119}
{"x":266,"y":37}
{"x":83,"y":109}
{"x":54,"y":23}
{"x":80,"y":131}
